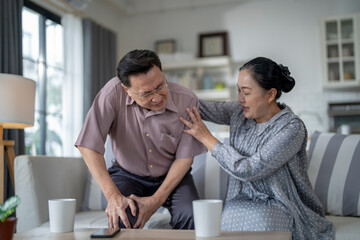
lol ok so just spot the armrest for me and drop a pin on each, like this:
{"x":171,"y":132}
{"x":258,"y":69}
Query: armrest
{"x":40,"y":178}
{"x":209,"y":178}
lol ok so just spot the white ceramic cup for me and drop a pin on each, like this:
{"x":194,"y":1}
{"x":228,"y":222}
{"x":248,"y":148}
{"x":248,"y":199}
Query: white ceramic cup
{"x":207,"y":217}
{"x":62,"y":214}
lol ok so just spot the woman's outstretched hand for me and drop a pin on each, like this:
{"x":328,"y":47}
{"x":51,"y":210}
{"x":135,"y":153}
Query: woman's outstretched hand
{"x":198,"y":129}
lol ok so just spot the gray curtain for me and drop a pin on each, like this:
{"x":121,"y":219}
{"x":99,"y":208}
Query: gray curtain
{"x":99,"y":59}
{"x":11,"y":62}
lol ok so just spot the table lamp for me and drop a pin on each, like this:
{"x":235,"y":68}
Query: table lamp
{"x":17,"y":101}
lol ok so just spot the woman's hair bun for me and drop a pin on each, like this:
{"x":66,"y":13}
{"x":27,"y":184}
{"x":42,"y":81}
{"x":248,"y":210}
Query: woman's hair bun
{"x":288,"y":82}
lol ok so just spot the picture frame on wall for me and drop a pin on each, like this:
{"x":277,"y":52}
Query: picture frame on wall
{"x":167,"y":46}
{"x":213,"y":44}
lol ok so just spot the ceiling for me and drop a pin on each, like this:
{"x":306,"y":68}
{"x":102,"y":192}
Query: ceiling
{"x":133,"y":7}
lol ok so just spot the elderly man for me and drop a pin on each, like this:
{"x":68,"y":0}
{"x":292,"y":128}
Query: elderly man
{"x":140,"y":112}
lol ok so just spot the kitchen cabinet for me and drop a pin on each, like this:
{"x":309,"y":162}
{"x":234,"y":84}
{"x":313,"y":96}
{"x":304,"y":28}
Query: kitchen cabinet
{"x":340,"y":38}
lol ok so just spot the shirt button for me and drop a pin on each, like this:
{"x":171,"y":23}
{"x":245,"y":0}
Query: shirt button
{"x":150,"y":150}
{"x":148,"y":134}
{"x":151,"y":166}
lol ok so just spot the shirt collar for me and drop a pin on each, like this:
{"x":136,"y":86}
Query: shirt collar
{"x":170,"y":105}
{"x":261,"y":127}
{"x":129,"y":100}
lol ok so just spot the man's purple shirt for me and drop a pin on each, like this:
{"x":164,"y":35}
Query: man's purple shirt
{"x":144,"y":142}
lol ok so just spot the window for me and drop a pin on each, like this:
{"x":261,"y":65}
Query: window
{"x":43,"y":62}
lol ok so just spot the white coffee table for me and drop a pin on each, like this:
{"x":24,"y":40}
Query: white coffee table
{"x":43,"y":233}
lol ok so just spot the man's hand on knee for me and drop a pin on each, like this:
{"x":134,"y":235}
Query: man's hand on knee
{"x":117,"y":204}
{"x":147,"y":207}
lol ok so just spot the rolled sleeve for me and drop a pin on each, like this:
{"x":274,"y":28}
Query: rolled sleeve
{"x":97,"y":124}
{"x":189,"y":147}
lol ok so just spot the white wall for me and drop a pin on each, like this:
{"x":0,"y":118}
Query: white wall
{"x":106,"y":15}
{"x":288,"y":31}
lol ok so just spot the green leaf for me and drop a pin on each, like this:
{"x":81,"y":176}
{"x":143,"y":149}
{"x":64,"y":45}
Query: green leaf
{"x":9,"y":207}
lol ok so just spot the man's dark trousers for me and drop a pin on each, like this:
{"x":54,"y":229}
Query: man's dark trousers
{"x":179,"y":202}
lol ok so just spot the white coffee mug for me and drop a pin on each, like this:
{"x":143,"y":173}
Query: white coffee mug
{"x":62,"y":214}
{"x":207,"y":217}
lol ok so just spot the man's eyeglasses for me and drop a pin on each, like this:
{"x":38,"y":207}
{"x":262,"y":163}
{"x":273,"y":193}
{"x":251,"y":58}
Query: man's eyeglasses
{"x":150,"y":95}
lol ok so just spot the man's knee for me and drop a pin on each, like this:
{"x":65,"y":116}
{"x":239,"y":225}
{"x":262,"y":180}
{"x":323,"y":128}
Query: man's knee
{"x":132,"y":219}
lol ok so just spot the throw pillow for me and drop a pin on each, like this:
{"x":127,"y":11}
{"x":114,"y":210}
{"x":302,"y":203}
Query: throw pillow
{"x":334,"y":166}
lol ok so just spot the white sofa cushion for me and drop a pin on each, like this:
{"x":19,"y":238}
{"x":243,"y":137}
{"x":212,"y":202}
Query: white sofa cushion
{"x":40,"y":178}
{"x":98,"y":219}
{"x":346,"y":228}
{"x":334,"y":172}
{"x":87,"y":219}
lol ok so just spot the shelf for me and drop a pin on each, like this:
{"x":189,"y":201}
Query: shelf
{"x":213,"y":94}
{"x":171,"y":65}
{"x":345,"y":41}
{"x":332,"y":42}
{"x":348,"y":59}
{"x":333,"y":60}
{"x":346,"y":85}
{"x":208,"y":77}
{"x":336,"y":42}
{"x":344,"y":59}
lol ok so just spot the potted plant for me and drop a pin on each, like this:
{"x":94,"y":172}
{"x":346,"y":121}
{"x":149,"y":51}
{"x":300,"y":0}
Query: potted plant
{"x":7,"y":224}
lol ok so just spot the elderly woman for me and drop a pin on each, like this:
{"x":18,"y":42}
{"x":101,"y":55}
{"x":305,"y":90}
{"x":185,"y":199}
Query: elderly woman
{"x":269,"y":189}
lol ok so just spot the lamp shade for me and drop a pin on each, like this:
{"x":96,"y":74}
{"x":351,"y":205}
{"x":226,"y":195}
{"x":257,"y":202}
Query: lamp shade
{"x":17,"y":101}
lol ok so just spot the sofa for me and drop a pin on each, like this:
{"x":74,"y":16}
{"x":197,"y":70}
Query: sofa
{"x":334,"y":167}
{"x":40,"y":178}
{"x":334,"y":172}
